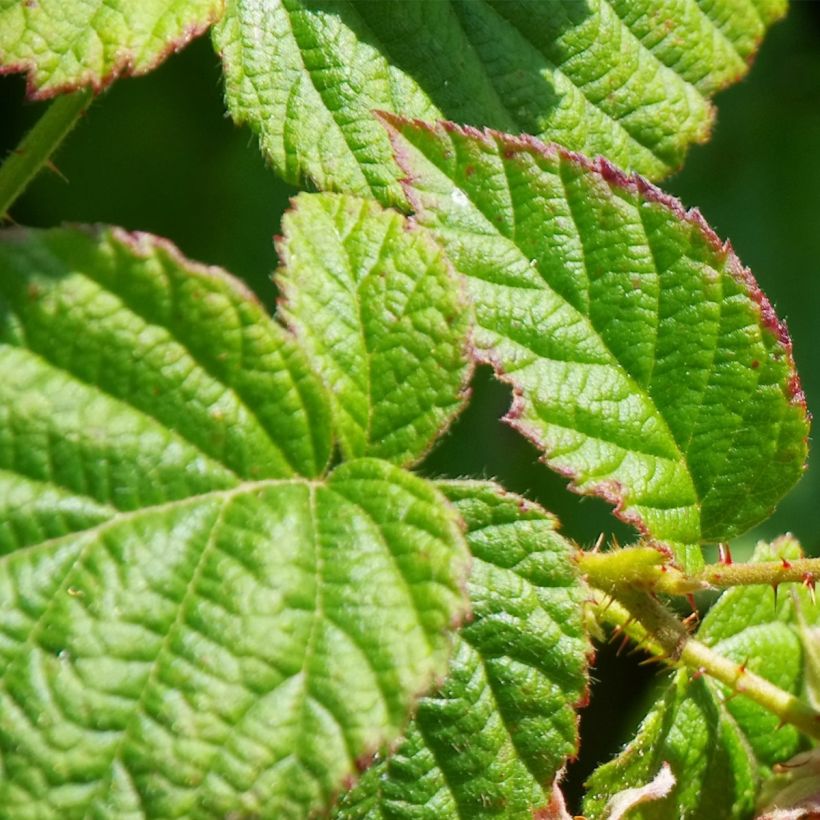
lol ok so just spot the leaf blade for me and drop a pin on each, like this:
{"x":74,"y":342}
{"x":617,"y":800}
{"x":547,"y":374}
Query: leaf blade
{"x":203,"y":629}
{"x":64,"y":46}
{"x":644,"y":359}
{"x":596,"y":77}
{"x":383,"y":321}
{"x":492,"y":739}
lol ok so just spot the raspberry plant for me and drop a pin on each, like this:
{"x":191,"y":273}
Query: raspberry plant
{"x":225,"y":592}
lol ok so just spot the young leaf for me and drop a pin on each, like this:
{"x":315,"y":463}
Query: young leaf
{"x":628,"y":79}
{"x":490,"y":742}
{"x":645,"y":361}
{"x":383,"y":320}
{"x":65,"y":44}
{"x":719,"y":747}
{"x":191,"y":624}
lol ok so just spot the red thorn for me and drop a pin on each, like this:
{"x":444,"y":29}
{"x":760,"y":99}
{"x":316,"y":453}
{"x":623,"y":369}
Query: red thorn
{"x":698,"y":673}
{"x":624,"y":642}
{"x":55,"y":170}
{"x":809,"y":582}
{"x":725,"y":554}
{"x":650,"y":660}
{"x":786,"y":564}
{"x":691,"y":598}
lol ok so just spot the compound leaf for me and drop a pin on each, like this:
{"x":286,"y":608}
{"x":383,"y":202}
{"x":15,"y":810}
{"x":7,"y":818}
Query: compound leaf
{"x":383,"y":320}
{"x":630,"y":80}
{"x":645,"y":361}
{"x":193,"y":622}
{"x":719,"y":748}
{"x":65,"y":44}
{"x":490,"y":741}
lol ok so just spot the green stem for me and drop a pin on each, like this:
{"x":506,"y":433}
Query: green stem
{"x":660,"y":633}
{"x":800,"y":570}
{"x":647,"y":568}
{"x":26,"y":161}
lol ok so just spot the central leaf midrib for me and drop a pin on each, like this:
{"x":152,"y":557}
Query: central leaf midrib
{"x":309,"y":74}
{"x":117,"y":400}
{"x":175,"y":338}
{"x":206,"y":367}
{"x":154,"y":509}
{"x":150,"y":679}
{"x":614,"y":361}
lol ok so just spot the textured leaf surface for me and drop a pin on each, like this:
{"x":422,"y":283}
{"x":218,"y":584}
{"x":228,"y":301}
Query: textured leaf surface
{"x":491,"y":740}
{"x":383,"y":320}
{"x":191,"y":624}
{"x":645,"y":361}
{"x":629,"y":79}
{"x":719,"y":751}
{"x":64,"y":44}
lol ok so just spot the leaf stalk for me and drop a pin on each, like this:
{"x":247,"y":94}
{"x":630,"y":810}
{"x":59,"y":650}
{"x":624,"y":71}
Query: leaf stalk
{"x":23,"y":164}
{"x":648,"y":623}
{"x":648,"y":568}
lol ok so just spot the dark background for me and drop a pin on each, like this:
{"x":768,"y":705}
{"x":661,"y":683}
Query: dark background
{"x":158,"y":154}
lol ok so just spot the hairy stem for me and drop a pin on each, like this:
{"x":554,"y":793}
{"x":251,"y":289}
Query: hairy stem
{"x":647,"y":568}
{"x":34,"y":150}
{"x":801,"y":570}
{"x":647,"y":622}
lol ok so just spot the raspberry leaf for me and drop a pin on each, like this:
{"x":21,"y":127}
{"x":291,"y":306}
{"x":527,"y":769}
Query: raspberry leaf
{"x":492,"y":739}
{"x":195,"y":620}
{"x":383,"y":320}
{"x":646,"y":363}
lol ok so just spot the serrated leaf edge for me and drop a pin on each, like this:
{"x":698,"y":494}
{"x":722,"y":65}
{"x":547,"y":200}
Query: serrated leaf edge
{"x":123,"y":66}
{"x":612,"y":491}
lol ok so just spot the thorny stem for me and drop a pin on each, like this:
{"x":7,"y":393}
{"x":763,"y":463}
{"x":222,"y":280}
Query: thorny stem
{"x":34,"y":150}
{"x":647,"y":622}
{"x":647,"y":568}
{"x":799,"y":570}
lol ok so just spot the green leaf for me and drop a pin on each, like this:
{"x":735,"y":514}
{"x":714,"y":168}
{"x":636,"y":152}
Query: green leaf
{"x":645,"y":361}
{"x":65,"y":44}
{"x":191,"y":622}
{"x":630,"y":79}
{"x":719,"y":747}
{"x":490,"y":742}
{"x":376,"y":306}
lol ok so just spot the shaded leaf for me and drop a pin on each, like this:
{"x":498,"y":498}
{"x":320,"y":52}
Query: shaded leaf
{"x":383,"y":320}
{"x":793,"y":793}
{"x":192,"y":623}
{"x":719,"y":748}
{"x":491,"y":740}
{"x":65,"y":44}
{"x":628,"y":79}
{"x":645,"y":361}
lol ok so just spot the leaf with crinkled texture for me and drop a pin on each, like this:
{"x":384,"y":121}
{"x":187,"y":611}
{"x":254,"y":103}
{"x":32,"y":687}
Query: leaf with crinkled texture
{"x":66,"y":44}
{"x":629,"y":79}
{"x":719,"y":748}
{"x":193,"y":621}
{"x":383,"y":320}
{"x":490,"y":741}
{"x":645,"y":361}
